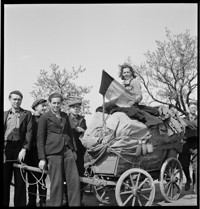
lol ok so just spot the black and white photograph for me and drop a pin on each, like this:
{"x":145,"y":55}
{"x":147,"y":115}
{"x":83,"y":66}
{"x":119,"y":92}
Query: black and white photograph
{"x":100,"y":104}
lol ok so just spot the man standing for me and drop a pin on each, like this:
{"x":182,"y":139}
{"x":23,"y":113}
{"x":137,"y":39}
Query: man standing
{"x":17,"y":139}
{"x":56,"y":146}
{"x":190,"y":144}
{"x":78,"y":125}
{"x":39,"y":107}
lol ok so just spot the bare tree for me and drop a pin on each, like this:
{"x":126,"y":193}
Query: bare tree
{"x":170,"y":73}
{"x":61,"y":82}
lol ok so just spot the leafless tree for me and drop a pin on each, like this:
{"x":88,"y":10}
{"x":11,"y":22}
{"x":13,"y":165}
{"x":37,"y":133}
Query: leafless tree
{"x":169,"y":74}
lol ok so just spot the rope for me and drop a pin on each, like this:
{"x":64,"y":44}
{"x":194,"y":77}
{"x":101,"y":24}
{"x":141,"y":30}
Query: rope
{"x":40,"y":181}
{"x":37,"y":181}
{"x":21,"y":170}
{"x":118,"y":154}
{"x":40,"y":195}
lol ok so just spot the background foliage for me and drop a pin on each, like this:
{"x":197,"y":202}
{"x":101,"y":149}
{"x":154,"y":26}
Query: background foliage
{"x":62,"y":81}
{"x":169,"y":75}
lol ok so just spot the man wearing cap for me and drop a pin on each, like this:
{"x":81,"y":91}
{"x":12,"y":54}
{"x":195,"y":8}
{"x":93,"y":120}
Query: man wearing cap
{"x":78,"y":125}
{"x":39,"y":107}
{"x":17,"y":139}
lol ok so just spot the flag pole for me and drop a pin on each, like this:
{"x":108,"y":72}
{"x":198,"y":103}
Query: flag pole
{"x":104,"y":123}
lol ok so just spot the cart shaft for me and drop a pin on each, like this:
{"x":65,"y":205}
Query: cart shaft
{"x":30,"y":168}
{"x":88,"y":180}
{"x":96,"y":182}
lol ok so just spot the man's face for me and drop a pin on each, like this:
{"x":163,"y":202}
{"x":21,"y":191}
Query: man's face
{"x":15,"y":101}
{"x":75,"y":109}
{"x":56,"y":104}
{"x":41,"y":108}
{"x":193,"y":109}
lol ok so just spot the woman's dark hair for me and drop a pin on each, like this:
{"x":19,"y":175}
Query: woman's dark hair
{"x":122,"y":67}
{"x":55,"y":95}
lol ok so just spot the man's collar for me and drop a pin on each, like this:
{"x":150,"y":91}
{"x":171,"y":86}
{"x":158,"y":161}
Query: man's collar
{"x":55,"y":113}
{"x":13,"y":111}
{"x":194,"y":115}
{"x":191,"y":117}
{"x":73,"y":116}
{"x":36,"y":114}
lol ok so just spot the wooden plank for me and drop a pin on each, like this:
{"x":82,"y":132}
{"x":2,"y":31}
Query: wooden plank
{"x":96,"y":182}
{"x":107,"y":165}
{"x":30,"y":168}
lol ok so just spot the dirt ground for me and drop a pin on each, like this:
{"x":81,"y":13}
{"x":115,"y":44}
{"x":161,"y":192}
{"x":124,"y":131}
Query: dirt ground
{"x":187,"y":197}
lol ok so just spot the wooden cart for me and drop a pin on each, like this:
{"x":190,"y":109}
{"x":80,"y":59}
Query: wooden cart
{"x":132,"y":177}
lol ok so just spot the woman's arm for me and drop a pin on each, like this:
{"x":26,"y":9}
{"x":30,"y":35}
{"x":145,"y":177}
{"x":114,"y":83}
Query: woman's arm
{"x":136,"y":90}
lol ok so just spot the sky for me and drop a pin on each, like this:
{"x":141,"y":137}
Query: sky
{"x":93,"y":36}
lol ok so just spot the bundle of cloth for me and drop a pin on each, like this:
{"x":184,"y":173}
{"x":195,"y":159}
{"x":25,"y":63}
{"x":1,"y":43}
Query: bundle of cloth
{"x":122,"y":128}
{"x":119,"y":132}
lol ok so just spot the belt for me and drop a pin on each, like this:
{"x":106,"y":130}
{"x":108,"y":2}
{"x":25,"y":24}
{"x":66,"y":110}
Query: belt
{"x":13,"y":140}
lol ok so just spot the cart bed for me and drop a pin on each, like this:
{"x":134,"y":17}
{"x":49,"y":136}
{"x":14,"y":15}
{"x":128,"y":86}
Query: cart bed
{"x":114,"y":164}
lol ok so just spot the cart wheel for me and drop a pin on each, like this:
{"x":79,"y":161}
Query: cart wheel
{"x":171,"y":179}
{"x":135,"y":187}
{"x":103,"y":193}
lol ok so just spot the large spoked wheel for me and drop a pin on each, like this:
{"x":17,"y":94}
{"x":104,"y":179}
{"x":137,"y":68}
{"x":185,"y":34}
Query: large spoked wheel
{"x":135,"y":187}
{"x":103,"y":193}
{"x":171,"y":179}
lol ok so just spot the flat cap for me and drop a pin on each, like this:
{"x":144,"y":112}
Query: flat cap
{"x":16,"y":92}
{"x":37,"y":102}
{"x":74,"y":101}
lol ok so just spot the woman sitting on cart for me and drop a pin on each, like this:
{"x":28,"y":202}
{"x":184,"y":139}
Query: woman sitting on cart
{"x":127,"y":74}
{"x":133,"y":85}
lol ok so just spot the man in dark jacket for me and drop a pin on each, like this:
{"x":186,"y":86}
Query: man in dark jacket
{"x":56,"y":146}
{"x":190,"y":143}
{"x":17,"y":139}
{"x":39,"y":107}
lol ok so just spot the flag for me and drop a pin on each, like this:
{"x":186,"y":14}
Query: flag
{"x":114,"y":91}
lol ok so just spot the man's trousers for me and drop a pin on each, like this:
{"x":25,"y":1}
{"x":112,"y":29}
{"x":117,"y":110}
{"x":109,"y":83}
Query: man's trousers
{"x":62,"y":166}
